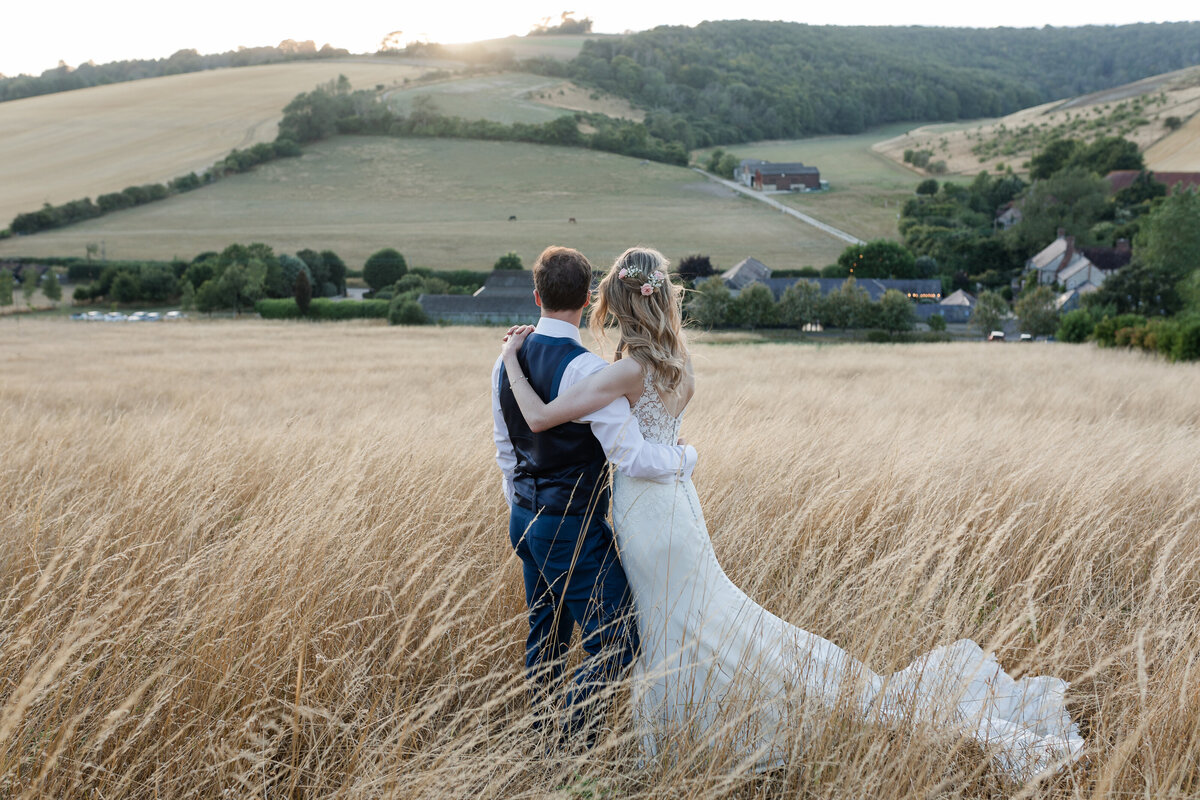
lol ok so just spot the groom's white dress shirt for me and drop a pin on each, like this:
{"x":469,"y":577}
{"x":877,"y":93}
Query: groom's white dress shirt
{"x":613,"y":426}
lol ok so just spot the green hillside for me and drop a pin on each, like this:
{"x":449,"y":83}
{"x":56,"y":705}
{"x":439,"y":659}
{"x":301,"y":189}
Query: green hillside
{"x":446,"y":204}
{"x":723,"y":82}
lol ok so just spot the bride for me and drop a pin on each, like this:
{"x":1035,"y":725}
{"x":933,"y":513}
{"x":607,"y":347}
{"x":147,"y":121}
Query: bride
{"x":714,"y":665}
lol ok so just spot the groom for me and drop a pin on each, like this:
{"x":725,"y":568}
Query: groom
{"x":556,"y":486}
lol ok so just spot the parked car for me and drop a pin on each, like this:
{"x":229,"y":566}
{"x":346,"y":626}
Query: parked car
{"x":175,"y":315}
{"x":996,"y":336}
{"x":1026,"y":337}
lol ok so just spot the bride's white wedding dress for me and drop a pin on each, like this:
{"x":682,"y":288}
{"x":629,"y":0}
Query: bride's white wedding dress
{"x":717,"y":666}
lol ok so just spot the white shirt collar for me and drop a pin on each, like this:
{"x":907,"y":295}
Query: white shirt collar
{"x":558,"y":329}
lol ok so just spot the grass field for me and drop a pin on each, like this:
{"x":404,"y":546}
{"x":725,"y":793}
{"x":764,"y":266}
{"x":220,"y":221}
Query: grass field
{"x":1136,"y":111}
{"x":511,"y":97}
{"x":85,"y":143}
{"x":865,"y":189}
{"x":446,"y":204}
{"x":267,"y":560}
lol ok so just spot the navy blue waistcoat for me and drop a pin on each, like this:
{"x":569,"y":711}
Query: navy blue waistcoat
{"x":563,"y":470}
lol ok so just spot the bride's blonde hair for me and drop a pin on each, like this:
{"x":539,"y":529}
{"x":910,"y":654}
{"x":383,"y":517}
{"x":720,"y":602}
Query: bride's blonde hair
{"x":647,"y":307}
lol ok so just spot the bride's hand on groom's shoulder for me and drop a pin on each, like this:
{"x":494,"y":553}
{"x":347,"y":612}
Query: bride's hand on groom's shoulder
{"x":515,"y":337}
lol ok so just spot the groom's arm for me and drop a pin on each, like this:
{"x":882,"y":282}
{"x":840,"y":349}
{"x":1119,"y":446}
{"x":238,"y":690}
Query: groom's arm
{"x":618,"y":433}
{"x":506,"y":457}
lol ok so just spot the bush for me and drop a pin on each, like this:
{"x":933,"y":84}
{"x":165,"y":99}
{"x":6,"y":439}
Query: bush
{"x":282,"y":308}
{"x":384,"y":268}
{"x":937,"y":323}
{"x":509,"y":261}
{"x":928,"y":186}
{"x":1186,"y":346}
{"x":1075,"y":327}
{"x":878,"y":337}
{"x":1105,"y":332}
{"x":406,"y":311}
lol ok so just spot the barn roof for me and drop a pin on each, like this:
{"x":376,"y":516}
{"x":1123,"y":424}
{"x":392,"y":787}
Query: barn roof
{"x":746,"y":272}
{"x":786,"y":168}
{"x":1124,"y":178}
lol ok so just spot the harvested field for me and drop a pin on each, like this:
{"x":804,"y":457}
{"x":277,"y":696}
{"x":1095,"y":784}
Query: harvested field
{"x":85,"y":143}
{"x":1137,"y":111}
{"x":446,"y":204}
{"x":250,"y":559}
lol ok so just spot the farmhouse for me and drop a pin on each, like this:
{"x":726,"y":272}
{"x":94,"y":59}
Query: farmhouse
{"x":506,"y":297}
{"x":785,"y":176}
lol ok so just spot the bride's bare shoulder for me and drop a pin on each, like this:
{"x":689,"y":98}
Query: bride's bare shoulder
{"x":628,"y":371}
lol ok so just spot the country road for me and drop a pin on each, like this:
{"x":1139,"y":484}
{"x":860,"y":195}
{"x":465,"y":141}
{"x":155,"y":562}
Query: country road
{"x":762,"y":198}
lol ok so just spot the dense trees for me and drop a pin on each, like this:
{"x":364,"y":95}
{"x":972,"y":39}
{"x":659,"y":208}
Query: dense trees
{"x":723,"y":82}
{"x":881,"y":258}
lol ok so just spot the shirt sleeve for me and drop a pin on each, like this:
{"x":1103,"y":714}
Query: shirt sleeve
{"x":506,"y":457}
{"x":618,"y":433}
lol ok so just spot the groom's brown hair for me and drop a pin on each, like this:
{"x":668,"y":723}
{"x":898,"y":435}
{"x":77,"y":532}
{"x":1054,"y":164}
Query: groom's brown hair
{"x":563,"y":278}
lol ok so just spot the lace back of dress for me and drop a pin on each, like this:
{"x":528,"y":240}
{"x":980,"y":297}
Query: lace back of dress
{"x":654,"y":420}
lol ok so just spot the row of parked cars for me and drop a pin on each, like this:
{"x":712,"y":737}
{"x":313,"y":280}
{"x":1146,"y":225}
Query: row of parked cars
{"x":136,"y":316}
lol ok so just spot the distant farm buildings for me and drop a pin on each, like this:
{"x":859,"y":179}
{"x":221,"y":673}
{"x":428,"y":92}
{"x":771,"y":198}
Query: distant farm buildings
{"x":782,"y":177}
{"x":505,"y":297}
{"x":1124,"y":178}
{"x":925,"y":294}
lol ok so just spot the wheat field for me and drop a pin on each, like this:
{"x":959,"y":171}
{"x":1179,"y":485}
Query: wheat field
{"x":70,"y":145}
{"x":263,"y":560}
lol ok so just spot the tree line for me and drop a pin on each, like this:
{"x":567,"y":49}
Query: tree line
{"x":323,"y":112}
{"x":738,"y":81}
{"x":64,"y":78}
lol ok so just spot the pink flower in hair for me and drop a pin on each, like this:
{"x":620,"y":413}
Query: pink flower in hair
{"x":658,"y":276}
{"x":622,"y":273}
{"x":647,"y":290}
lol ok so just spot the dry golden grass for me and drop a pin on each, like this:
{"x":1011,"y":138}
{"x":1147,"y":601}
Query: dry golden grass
{"x":270,"y":560}
{"x":67,"y":146}
{"x":1164,"y":150}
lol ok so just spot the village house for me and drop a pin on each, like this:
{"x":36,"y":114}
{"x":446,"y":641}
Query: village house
{"x":1065,"y":265}
{"x":1009,"y":215}
{"x":744,"y":273}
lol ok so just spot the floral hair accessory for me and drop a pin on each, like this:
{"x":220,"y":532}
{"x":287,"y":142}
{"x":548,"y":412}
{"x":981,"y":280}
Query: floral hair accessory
{"x":650,"y":283}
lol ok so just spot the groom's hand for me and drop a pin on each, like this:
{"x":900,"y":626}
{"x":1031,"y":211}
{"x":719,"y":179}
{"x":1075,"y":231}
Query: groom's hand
{"x":682,"y":442}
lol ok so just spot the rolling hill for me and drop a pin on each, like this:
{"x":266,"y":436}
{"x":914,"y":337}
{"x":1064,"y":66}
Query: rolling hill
{"x":60,"y":147}
{"x":1144,"y":111}
{"x":446,"y":204}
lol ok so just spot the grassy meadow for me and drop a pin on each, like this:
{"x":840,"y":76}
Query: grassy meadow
{"x":446,"y":204}
{"x":67,"y":146}
{"x":252,"y":559}
{"x":866,"y":189}
{"x":510,"y":97}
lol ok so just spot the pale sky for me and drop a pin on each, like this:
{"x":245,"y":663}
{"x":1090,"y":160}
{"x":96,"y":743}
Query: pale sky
{"x":35,"y":36}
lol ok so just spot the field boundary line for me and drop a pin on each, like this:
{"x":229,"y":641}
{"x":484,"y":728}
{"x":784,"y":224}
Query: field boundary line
{"x":800,"y":215}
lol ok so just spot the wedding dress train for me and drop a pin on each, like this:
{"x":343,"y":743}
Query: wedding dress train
{"x":715,"y":663}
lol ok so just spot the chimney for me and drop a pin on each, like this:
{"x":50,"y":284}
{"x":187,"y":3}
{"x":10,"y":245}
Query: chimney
{"x":1122,"y":246}
{"x":1068,"y":254}
{"x":1062,"y":232}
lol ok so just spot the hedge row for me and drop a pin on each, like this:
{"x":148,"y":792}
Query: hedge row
{"x":322,"y":308}
{"x":1177,"y":339}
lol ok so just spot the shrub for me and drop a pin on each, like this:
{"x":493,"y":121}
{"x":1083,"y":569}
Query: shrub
{"x":281,"y":308}
{"x":1075,"y":327}
{"x":406,"y":311}
{"x":1105,"y":332}
{"x":1186,"y":346}
{"x":1124,"y":337}
{"x":878,"y":337}
{"x":937,"y":323}
{"x":928,"y":186}
{"x":509,"y":260}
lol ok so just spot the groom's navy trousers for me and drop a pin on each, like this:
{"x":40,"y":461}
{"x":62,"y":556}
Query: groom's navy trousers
{"x":573,"y":576}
